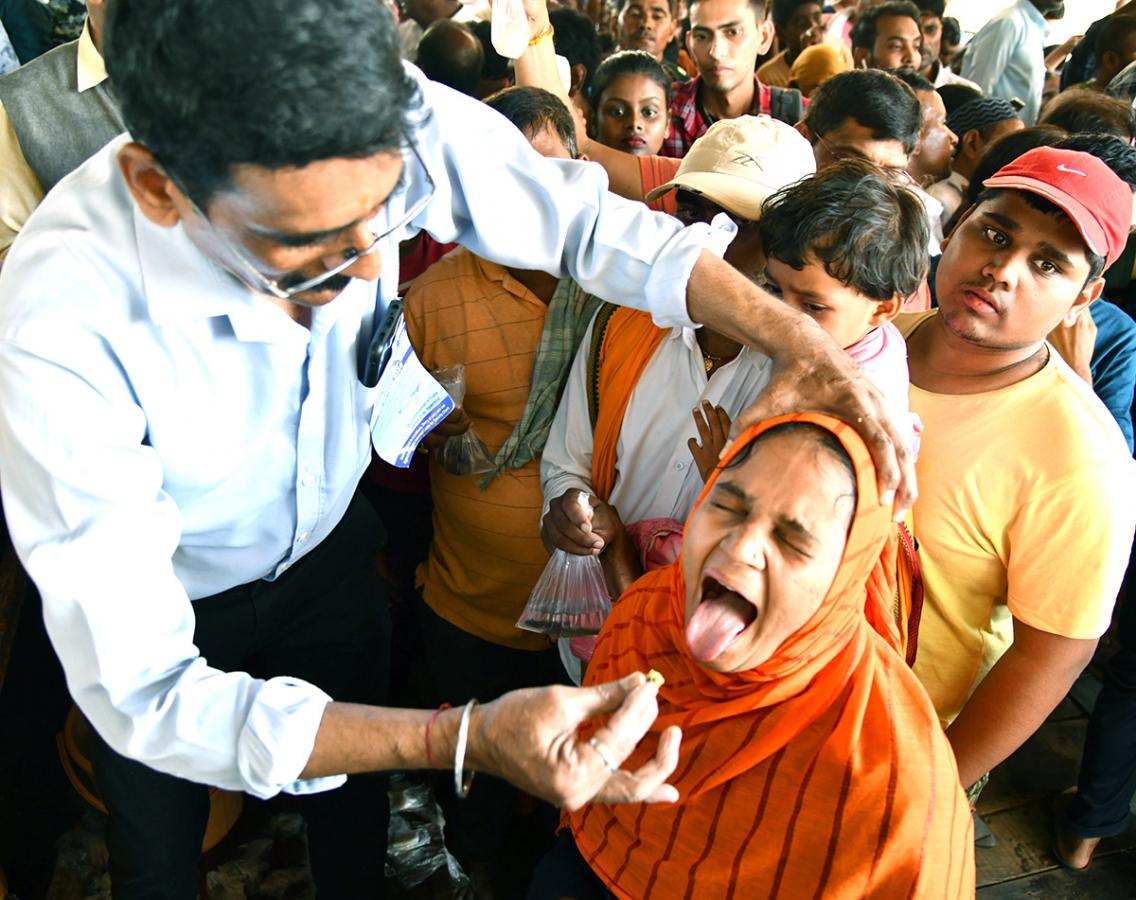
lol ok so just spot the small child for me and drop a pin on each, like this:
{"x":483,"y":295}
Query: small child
{"x":844,"y":247}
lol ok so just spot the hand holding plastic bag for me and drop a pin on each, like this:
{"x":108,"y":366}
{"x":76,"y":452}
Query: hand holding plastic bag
{"x":571,"y":596}
{"x":466,"y":453}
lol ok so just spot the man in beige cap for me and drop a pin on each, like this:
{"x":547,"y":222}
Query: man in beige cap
{"x":626,"y":448}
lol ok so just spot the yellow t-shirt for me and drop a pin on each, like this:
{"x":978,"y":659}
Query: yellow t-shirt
{"x":1026,"y":509}
{"x":486,"y":554}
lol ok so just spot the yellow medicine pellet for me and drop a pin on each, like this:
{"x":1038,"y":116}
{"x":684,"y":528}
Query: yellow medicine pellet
{"x":656,"y":677}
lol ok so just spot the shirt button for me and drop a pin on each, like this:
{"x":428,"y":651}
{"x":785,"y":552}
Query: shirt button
{"x":302,"y":536}
{"x":308,"y":480}
{"x":680,"y":466}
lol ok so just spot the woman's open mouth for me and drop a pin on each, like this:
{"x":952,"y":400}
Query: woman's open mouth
{"x":721,"y":615}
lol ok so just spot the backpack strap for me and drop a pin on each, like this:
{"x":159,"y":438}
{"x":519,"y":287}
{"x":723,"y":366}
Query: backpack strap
{"x":786,"y":104}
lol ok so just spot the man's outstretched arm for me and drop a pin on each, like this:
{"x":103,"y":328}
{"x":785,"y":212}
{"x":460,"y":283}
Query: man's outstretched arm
{"x":527,"y":737}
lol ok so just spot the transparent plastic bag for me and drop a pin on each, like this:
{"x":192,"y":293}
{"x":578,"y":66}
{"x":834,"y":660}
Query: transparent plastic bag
{"x":570,"y":598}
{"x":509,"y":28}
{"x":463,"y":454}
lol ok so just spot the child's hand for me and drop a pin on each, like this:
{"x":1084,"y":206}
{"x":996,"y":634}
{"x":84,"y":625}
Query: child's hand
{"x":713,"y":424}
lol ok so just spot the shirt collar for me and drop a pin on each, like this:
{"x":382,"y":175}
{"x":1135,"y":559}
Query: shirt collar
{"x":181,"y":285}
{"x":1033,"y":14}
{"x":90,"y":68}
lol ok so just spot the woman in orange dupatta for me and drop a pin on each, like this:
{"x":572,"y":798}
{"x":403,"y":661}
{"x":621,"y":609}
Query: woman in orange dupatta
{"x":812,"y":761}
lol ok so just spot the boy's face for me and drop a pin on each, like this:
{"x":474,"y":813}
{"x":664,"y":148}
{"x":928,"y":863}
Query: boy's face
{"x":1010,"y":274}
{"x":840,"y":310}
{"x":725,"y":40}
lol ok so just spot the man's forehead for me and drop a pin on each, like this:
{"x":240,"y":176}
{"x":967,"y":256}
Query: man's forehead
{"x":897,"y":26}
{"x":710,"y":13}
{"x":650,"y":6}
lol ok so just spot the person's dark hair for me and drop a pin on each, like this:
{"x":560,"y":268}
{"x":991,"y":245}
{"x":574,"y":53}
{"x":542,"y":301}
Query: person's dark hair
{"x":495,"y":67}
{"x":759,"y":7}
{"x":1079,"y":110}
{"x":200,"y":83}
{"x":822,"y":439}
{"x":577,"y":41}
{"x":934,"y":8}
{"x":956,"y":95}
{"x":1003,"y":152}
{"x":533,"y":109}
{"x":913,"y":80}
{"x":783,"y":10}
{"x":1114,"y":152}
{"x":952,"y":30}
{"x":1051,"y":209}
{"x":629,"y":62}
{"x":875,"y":99}
{"x":451,"y":54}
{"x":1113,"y":35}
{"x":868,"y":232}
{"x":864,"y":33}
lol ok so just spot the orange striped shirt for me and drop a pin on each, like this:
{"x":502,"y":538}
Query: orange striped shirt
{"x":486,"y":554}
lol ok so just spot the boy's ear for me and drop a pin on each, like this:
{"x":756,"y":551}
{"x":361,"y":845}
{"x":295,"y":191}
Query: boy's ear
{"x":886,"y":310}
{"x":860,"y":57}
{"x":1089,"y":293}
{"x":972,"y":144}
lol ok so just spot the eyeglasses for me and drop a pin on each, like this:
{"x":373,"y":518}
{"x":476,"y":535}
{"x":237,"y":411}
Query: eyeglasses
{"x":839,"y":154}
{"x":244,"y":268}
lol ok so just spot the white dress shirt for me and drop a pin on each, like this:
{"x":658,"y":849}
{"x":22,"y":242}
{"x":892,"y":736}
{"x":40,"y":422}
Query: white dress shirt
{"x":166,"y":434}
{"x":1007,"y":57}
{"x":655,"y":474}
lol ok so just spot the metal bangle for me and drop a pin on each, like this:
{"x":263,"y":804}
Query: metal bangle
{"x":462,"y":783}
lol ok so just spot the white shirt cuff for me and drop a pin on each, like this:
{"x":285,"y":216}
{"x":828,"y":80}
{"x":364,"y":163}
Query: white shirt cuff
{"x":278,"y":737}
{"x":667,"y":284}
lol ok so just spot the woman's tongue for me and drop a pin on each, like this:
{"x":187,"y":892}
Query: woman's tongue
{"x":719,"y":618}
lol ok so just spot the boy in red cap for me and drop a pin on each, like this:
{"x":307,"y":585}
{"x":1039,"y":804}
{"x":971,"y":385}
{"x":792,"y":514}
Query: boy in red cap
{"x":1027,"y":492}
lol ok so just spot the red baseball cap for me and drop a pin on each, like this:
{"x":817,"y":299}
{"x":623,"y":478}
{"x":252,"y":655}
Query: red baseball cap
{"x":1097,"y":200}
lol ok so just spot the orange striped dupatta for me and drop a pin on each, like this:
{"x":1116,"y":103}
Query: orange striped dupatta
{"x":822,"y":773}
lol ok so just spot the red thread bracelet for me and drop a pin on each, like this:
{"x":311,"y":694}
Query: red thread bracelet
{"x":429,"y":725}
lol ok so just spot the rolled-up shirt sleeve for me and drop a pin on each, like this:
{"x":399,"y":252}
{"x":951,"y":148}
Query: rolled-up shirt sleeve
{"x":83,"y":494}
{"x":497,"y":196}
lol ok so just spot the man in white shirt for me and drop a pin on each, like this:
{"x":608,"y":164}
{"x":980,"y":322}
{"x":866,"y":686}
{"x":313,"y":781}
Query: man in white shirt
{"x":185,"y":339}
{"x":1007,"y":57}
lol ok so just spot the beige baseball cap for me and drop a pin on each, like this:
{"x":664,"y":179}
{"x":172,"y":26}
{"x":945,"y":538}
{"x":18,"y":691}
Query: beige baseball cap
{"x":740,"y":162}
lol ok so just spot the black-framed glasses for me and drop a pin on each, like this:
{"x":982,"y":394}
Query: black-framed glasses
{"x":244,"y":268}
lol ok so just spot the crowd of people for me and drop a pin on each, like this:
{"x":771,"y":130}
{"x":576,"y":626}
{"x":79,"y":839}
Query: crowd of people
{"x":809,"y":328}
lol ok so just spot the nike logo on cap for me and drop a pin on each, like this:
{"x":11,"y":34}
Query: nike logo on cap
{"x":1061,"y":167}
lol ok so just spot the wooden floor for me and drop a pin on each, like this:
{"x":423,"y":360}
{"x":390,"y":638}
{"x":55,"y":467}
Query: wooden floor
{"x":1018,"y":807}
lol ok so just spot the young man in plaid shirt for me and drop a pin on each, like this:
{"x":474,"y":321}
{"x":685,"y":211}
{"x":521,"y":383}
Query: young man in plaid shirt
{"x":726,"y":37}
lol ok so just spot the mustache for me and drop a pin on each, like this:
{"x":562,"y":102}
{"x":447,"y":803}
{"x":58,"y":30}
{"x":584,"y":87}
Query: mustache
{"x":336,"y":283}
